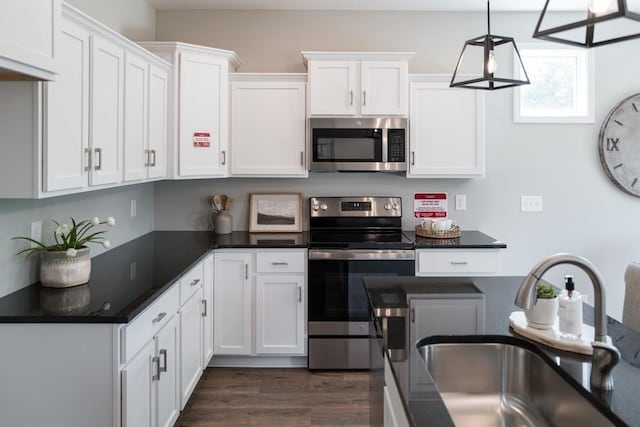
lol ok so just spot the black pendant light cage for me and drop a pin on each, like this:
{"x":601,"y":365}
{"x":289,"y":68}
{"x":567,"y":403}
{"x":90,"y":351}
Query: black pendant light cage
{"x":487,"y":45}
{"x":612,"y":34}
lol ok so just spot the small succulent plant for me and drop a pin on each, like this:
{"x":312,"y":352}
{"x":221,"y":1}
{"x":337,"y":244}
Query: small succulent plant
{"x":546,"y":291}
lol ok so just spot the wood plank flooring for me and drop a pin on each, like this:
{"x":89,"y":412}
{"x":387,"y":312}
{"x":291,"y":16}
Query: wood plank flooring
{"x":278,"y":397}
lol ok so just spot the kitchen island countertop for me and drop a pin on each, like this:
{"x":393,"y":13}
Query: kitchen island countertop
{"x":499,"y":292}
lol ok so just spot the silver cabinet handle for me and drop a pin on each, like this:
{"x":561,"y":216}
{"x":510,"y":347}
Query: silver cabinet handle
{"x":146,"y":154}
{"x":413,"y":158}
{"x":159,"y":317}
{"x":302,"y":158}
{"x":364,"y":97}
{"x":350,"y":97}
{"x":413,"y":315}
{"x":87,"y":151}
{"x":459,"y":262}
{"x":153,"y":156}
{"x":98,"y":165}
{"x":163,"y":354}
{"x":156,"y":361}
{"x":299,"y":294}
{"x":279,"y":263}
{"x":195,"y":282}
{"x":204,"y":303}
{"x":224,"y":157}
{"x":246,"y":271}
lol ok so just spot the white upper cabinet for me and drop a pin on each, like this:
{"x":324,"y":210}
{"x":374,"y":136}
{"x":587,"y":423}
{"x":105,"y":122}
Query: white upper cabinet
{"x":28,"y":39}
{"x":199,"y":141}
{"x":93,"y":126}
{"x":446,"y":133}
{"x":357,"y":83}
{"x":268,"y":125}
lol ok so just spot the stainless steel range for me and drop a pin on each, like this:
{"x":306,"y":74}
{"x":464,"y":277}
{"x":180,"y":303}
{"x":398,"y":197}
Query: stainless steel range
{"x":350,"y":237}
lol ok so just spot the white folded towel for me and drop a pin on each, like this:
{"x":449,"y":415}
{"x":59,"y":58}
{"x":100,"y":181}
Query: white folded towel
{"x":631,"y":310}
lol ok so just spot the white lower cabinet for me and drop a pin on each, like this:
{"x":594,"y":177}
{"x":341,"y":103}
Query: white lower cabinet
{"x":190,"y":350}
{"x":149,"y":381}
{"x":458,"y":262}
{"x":207,"y":312}
{"x":261,"y":310}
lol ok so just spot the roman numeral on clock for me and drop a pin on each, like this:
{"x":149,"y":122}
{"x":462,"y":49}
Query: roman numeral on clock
{"x":612,"y":144}
{"x":635,"y":181}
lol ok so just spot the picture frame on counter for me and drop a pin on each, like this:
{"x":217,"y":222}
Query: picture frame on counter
{"x":275,"y":212}
{"x":562,"y":85}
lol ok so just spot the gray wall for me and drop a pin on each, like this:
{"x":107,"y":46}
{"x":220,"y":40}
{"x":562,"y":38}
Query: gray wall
{"x":134,"y":19}
{"x":584,"y":212}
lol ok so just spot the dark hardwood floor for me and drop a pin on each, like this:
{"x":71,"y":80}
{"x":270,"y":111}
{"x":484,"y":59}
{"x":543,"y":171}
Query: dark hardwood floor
{"x":278,"y":397}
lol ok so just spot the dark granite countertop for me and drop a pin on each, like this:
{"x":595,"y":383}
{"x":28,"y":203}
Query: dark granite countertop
{"x":428,"y":408}
{"x":469,"y":239}
{"x":128,"y":278}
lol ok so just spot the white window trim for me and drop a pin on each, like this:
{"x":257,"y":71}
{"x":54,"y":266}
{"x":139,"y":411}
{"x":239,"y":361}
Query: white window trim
{"x":584,"y":76}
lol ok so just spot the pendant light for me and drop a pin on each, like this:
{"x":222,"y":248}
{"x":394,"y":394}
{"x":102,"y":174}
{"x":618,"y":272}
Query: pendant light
{"x":605,"y":22}
{"x":493,"y":55}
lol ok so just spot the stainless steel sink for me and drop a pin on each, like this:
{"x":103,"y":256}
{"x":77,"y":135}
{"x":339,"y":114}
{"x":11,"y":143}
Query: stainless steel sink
{"x":505,"y":384}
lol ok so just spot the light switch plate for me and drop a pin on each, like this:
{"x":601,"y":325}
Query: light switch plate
{"x":461,"y":202}
{"x":531,"y":203}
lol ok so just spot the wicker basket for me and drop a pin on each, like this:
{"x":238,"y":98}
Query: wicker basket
{"x":452,"y":233}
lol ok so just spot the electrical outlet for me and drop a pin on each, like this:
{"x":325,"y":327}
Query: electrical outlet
{"x":461,"y":202}
{"x":133,"y":208}
{"x":530,"y":203}
{"x":36,"y":232}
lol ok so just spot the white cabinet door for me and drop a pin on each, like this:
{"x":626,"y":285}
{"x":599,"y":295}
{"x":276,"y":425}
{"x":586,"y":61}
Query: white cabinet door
{"x":268,"y":123}
{"x":446,"y":131}
{"x":333,"y":88}
{"x":66,"y":125}
{"x":232,"y":303}
{"x":158,"y":121}
{"x":107,"y":89}
{"x":207,"y":312}
{"x":280,"y":302}
{"x":135,"y":117}
{"x":137,"y":386}
{"x":450,"y":316}
{"x":28,"y":32}
{"x":203,"y":136}
{"x":190,"y":350}
{"x":167,"y":402}
{"x":384,"y":87}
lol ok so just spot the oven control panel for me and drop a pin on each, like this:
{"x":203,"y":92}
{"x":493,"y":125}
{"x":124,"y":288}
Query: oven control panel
{"x":368,"y":206}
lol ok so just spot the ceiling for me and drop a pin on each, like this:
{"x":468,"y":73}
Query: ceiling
{"x":390,"y":5}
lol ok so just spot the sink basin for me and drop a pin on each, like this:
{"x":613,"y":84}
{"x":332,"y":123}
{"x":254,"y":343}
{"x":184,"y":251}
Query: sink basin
{"x":501,"y":381}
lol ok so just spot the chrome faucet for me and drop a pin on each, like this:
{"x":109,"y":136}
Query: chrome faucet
{"x":605,"y":356}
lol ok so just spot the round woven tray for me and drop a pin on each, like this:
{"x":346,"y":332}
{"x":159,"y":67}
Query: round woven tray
{"x":452,"y":233}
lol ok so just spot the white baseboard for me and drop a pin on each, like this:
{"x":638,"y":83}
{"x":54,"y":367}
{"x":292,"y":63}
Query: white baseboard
{"x":259,"y":362}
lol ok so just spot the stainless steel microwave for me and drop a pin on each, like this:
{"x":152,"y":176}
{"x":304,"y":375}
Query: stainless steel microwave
{"x":358,"y":144}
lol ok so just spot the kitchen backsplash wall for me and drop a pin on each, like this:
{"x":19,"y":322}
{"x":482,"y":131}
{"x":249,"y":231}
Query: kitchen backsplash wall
{"x":134,"y":19}
{"x":16,"y":217}
{"x":584,"y":212}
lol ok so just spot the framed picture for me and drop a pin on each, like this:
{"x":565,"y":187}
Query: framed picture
{"x":275,"y":212}
{"x":562,"y":85}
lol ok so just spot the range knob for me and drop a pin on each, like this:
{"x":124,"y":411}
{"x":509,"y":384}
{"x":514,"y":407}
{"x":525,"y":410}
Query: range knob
{"x":396,"y":206}
{"x":387,"y":206}
{"x":324,"y":207}
{"x":315,"y":207}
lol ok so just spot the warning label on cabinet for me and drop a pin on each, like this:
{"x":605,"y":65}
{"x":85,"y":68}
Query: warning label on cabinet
{"x":201,"y":139}
{"x":430,"y":205}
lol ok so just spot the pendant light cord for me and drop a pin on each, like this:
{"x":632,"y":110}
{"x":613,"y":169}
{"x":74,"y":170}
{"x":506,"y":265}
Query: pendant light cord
{"x":488,"y":19}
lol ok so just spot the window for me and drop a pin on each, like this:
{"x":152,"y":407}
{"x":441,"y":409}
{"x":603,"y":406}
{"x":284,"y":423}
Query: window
{"x":561,"y":89}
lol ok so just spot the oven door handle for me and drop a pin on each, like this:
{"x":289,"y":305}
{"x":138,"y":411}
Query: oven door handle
{"x":360,"y":254}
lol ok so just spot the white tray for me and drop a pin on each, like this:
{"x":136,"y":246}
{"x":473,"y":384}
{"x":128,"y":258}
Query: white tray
{"x":552,"y":337}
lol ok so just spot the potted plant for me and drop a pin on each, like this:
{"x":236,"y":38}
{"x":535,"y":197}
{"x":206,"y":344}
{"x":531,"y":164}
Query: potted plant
{"x":67,"y":262}
{"x":544,"y":313}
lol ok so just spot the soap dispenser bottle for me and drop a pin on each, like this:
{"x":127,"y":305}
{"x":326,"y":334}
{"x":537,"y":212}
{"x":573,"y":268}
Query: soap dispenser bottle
{"x":570,"y":310}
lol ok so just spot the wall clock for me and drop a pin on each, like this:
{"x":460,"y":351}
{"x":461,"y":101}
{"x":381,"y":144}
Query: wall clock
{"x":619,"y":145}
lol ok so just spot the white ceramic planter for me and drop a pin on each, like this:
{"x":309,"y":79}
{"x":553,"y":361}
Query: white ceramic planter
{"x":58,"y":270}
{"x":544,"y":313}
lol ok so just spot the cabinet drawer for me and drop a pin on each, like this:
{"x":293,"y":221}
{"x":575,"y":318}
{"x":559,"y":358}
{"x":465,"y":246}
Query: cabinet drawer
{"x":280,"y":262}
{"x":191,"y":282}
{"x":149,"y":322}
{"x":457,"y":262}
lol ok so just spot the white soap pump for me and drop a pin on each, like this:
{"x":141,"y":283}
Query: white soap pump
{"x":570,"y":310}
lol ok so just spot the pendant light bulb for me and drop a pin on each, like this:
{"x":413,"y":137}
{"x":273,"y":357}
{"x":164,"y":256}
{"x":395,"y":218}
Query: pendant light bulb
{"x":492,"y":65}
{"x":600,"y":7}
